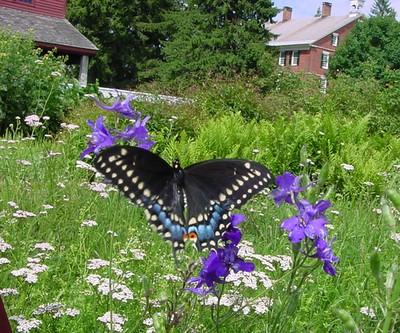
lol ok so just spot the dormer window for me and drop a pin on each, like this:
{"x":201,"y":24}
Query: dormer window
{"x":335,"y":39}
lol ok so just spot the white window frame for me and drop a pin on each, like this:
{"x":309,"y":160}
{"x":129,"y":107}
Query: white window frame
{"x":325,"y":60}
{"x":294,"y":58}
{"x":282,"y":58}
{"x":335,"y":39}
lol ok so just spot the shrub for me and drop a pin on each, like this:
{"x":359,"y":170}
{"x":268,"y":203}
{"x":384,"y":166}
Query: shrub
{"x":32,"y":84}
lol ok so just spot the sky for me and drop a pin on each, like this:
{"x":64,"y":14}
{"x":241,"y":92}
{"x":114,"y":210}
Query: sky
{"x":306,"y":9}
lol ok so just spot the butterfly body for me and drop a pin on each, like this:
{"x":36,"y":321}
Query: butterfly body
{"x":190,"y":203}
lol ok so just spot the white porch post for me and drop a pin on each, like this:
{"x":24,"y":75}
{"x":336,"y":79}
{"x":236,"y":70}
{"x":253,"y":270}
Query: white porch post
{"x":83,"y":70}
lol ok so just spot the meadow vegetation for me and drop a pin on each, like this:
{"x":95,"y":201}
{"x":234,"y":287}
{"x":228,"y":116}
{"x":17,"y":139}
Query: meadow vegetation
{"x":75,"y":256}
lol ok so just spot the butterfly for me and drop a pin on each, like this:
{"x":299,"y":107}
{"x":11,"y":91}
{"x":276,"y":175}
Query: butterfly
{"x":190,"y":203}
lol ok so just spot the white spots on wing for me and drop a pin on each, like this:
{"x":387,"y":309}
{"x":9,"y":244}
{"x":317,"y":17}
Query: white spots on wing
{"x":222,"y":197}
{"x":124,"y":152}
{"x":146,"y":192}
{"x":140,"y":186}
{"x":129,"y":173}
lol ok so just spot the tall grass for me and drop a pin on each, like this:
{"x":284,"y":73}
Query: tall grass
{"x":72,"y":291}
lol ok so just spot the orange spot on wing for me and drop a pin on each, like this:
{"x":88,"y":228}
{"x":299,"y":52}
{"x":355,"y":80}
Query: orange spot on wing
{"x":192,"y":236}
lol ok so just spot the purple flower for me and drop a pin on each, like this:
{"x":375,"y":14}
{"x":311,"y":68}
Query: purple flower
{"x":229,"y":256}
{"x":310,"y":221}
{"x":218,"y":265}
{"x":288,"y":189}
{"x":325,"y":254}
{"x":123,"y":108}
{"x":234,"y":234}
{"x":139,"y":133}
{"x":213,"y":271}
{"x":101,"y":137}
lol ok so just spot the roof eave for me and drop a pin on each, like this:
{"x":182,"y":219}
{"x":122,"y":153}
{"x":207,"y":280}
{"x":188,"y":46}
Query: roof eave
{"x":303,"y":45}
{"x":66,"y":48}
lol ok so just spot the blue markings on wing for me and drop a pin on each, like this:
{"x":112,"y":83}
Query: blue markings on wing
{"x":172,"y":230}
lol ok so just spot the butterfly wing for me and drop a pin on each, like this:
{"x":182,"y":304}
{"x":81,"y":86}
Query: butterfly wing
{"x":148,"y":181}
{"x":215,"y":187}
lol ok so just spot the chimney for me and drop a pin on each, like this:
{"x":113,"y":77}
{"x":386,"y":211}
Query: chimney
{"x":287,"y":14}
{"x":326,"y":9}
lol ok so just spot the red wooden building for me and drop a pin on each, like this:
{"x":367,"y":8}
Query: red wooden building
{"x":307,"y":44}
{"x":46,"y":18}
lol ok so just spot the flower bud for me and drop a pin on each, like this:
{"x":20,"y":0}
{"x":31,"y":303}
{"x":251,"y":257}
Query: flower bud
{"x":388,"y":216}
{"x":159,"y":323}
{"x":303,"y":155}
{"x":394,"y":197}
{"x":347,"y":320}
{"x":323,"y":175}
{"x":375,"y":264}
{"x":331,"y":191}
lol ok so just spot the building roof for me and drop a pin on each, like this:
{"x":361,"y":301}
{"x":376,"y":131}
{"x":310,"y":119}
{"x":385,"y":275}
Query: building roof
{"x":307,"y":31}
{"x":48,"y":31}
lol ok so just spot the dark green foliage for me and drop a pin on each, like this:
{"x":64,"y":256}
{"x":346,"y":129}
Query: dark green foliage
{"x":32,"y":84}
{"x":224,"y":37}
{"x":370,"y":49}
{"x":127,"y":33}
{"x":382,"y":8}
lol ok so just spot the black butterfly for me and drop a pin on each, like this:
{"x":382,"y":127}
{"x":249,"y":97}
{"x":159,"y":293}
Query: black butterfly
{"x":185,"y":203}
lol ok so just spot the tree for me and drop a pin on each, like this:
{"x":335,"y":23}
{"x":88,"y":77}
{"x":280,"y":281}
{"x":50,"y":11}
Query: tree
{"x":370,"y":49}
{"x":318,"y":12}
{"x":127,"y":33}
{"x":216,"y":37}
{"x":382,"y":8}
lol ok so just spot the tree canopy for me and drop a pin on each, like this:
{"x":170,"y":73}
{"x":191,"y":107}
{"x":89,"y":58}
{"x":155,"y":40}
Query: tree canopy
{"x":382,"y":8}
{"x":370,"y":49}
{"x":142,"y":40}
{"x":127,"y":33}
{"x":226,"y":37}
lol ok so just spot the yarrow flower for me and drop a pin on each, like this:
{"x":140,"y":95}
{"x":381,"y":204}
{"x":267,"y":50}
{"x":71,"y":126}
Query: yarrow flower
{"x":33,"y":120}
{"x":113,"y":321}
